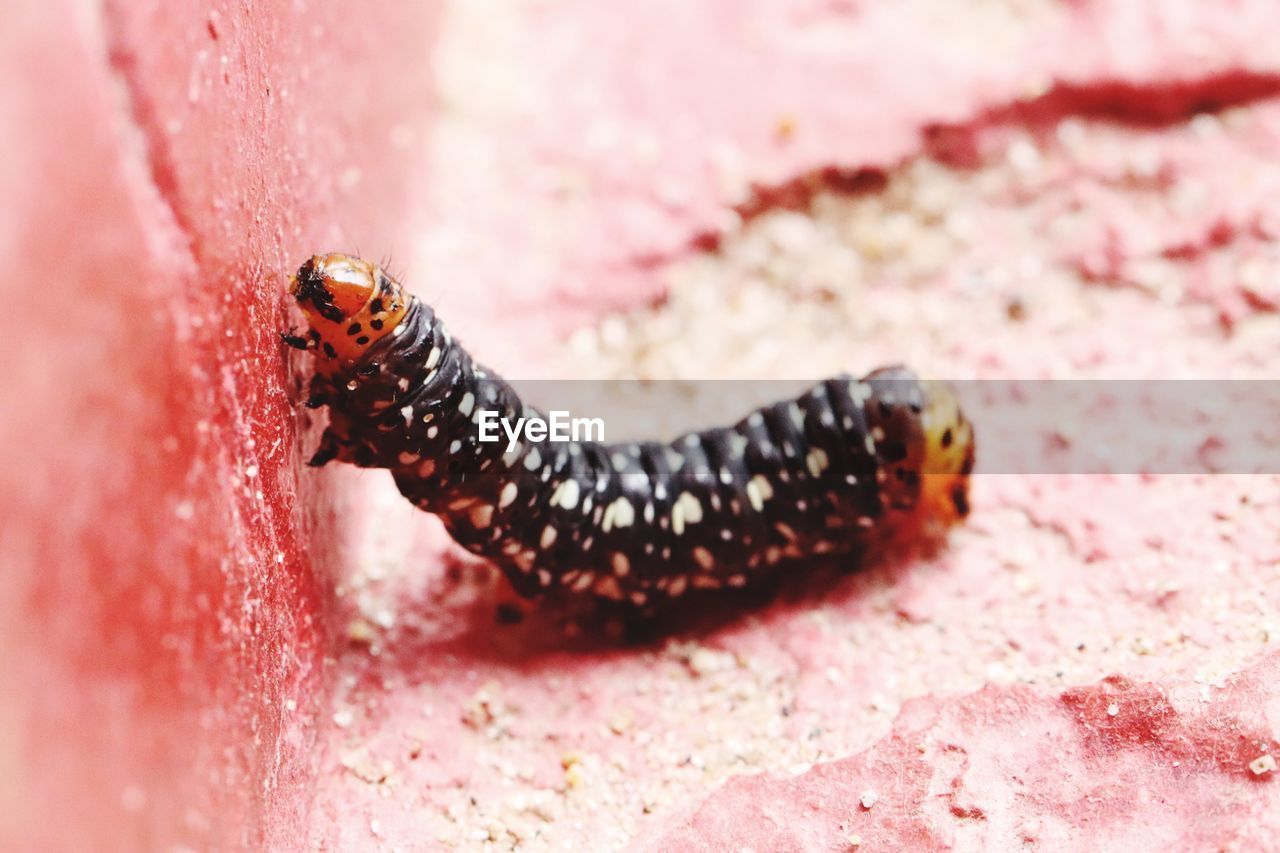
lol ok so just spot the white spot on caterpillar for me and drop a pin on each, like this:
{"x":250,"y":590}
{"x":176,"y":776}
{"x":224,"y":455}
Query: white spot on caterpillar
{"x":674,"y":460}
{"x":583,"y":581}
{"x":737,"y":444}
{"x":797,"y":416}
{"x":638,"y":598}
{"x":706,"y":582}
{"x":623,"y":513}
{"x":548,"y":537}
{"x":467,"y":404}
{"x":704,"y":558}
{"x":403,"y":384}
{"x":869,"y":443}
{"x":433,"y":358}
{"x":772,"y":555}
{"x":877,"y":433}
{"x":755,"y":420}
{"x":407,"y":414}
{"x":786,"y":530}
{"x":620,"y":462}
{"x":508,"y":495}
{"x":433,"y":431}
{"x":859,"y":392}
{"x":817,"y":460}
{"x":427,"y":468}
{"x":533,"y":460}
{"x":738,"y":580}
{"x":513,"y":453}
{"x":759,"y":491}
{"x":565,"y":495}
{"x":544,"y":577}
{"x":455,"y":445}
{"x":407,"y":458}
{"x":524,"y":560}
{"x":621,"y":564}
{"x":648,"y":513}
{"x":482,"y":515}
{"x":687,"y":509}
{"x":677,"y":586}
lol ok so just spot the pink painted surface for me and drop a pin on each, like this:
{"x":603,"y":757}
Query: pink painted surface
{"x":1111,"y":765}
{"x":203,"y":646}
{"x":163,"y":617}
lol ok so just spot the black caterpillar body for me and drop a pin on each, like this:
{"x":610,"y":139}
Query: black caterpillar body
{"x":634,"y":522}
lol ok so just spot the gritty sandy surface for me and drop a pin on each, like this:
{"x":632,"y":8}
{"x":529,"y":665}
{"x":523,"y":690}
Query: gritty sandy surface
{"x":1077,"y":248}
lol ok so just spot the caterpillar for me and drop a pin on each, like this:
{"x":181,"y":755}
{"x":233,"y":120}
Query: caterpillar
{"x":638,"y":522}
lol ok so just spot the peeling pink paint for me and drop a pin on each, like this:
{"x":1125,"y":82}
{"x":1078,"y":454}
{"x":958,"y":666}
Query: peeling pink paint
{"x":631,"y":131}
{"x":1110,"y":765}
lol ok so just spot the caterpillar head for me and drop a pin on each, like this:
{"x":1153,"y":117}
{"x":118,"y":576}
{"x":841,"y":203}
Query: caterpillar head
{"x":349,"y":304}
{"x":948,"y":457}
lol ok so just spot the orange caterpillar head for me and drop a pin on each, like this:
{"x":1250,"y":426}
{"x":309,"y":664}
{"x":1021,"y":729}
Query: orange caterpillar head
{"x":349,"y":304}
{"x":948,"y":456}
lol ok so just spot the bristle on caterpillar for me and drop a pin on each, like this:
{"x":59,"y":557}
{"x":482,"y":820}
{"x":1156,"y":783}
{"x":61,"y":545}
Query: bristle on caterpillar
{"x":641,"y":522}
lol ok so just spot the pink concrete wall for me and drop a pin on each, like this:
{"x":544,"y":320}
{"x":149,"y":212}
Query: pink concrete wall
{"x":163,"y":616}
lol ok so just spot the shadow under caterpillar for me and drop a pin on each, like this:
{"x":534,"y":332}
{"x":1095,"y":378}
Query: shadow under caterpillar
{"x":850,"y":459}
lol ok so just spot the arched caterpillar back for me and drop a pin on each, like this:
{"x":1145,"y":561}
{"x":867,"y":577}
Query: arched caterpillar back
{"x":633,"y":522}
